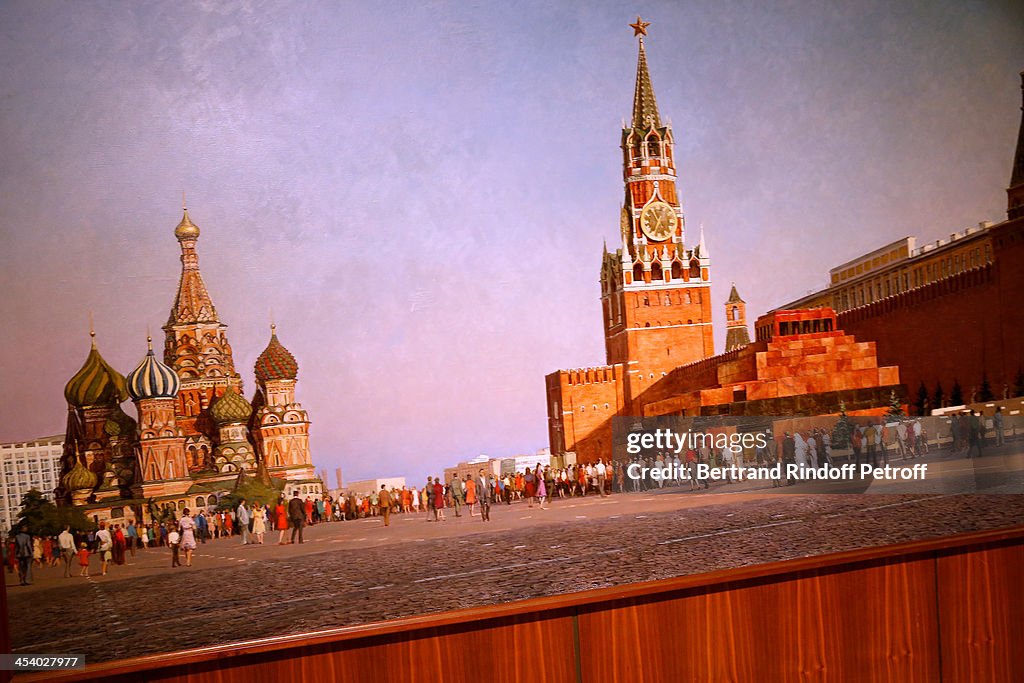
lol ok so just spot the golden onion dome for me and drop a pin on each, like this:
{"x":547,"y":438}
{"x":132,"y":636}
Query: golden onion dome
{"x":186,"y":230}
{"x":96,"y":383}
{"x":79,"y":478}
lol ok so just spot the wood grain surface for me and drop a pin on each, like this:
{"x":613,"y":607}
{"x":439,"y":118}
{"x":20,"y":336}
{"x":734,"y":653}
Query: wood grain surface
{"x":941,"y":609}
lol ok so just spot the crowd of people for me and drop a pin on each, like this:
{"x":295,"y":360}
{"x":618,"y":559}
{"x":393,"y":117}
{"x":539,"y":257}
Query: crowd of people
{"x":870,"y":441}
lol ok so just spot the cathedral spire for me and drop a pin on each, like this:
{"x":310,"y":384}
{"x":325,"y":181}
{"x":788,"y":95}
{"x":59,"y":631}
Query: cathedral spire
{"x":192,"y":304}
{"x":645,"y":108}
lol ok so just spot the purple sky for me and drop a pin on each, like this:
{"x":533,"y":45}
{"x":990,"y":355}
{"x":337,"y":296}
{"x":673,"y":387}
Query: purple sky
{"x":419,"y":191}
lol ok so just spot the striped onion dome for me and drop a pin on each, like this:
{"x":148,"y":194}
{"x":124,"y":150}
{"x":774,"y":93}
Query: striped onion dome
{"x":79,"y":478}
{"x":152,"y":379}
{"x":276,"y":362}
{"x":96,"y":384}
{"x":231,"y":407}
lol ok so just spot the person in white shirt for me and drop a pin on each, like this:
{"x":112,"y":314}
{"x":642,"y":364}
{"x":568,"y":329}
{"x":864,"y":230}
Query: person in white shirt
{"x":801,"y":450}
{"x":104,"y":546}
{"x":66,"y":542}
{"x":602,"y":473}
{"x":174,"y":540}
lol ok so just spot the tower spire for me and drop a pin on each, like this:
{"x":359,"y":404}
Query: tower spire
{"x":1015,"y":208}
{"x":192,"y":303}
{"x":645,"y":108}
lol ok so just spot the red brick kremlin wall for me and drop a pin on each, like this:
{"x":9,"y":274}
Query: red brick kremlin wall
{"x":956,"y":329}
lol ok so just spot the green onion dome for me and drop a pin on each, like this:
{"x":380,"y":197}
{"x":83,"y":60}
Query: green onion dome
{"x":79,"y":478}
{"x":152,"y":379}
{"x":186,"y":230}
{"x":119,"y":424}
{"x":96,"y":384}
{"x":276,"y":362}
{"x":231,"y":407}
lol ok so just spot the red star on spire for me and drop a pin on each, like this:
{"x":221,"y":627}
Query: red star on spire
{"x":640,"y":27}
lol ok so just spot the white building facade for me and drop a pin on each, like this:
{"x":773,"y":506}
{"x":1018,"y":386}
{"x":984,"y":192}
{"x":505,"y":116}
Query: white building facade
{"x":27,"y":465}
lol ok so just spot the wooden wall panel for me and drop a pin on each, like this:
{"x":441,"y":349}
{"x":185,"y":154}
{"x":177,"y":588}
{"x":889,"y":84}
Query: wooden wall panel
{"x":877,"y":614}
{"x":501,"y":651}
{"x":981,"y":605}
{"x":869,"y":623}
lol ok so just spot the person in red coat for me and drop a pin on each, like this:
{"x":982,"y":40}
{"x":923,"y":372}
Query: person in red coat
{"x":438,"y":499}
{"x":281,"y":519}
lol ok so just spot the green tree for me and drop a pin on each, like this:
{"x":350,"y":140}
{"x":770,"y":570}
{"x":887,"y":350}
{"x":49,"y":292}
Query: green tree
{"x":985,"y":392}
{"x":843,"y":428}
{"x":253,"y":491}
{"x":43,"y":518}
{"x":921,"y":405}
{"x":895,"y":407}
{"x":939,"y":397}
{"x":956,"y":394}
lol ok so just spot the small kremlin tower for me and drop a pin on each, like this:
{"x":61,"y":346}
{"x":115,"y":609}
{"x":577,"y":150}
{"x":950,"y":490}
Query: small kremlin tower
{"x":736,"y":333}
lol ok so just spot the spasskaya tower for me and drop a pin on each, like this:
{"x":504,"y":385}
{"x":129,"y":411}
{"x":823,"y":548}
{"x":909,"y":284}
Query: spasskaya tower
{"x":655,"y":292}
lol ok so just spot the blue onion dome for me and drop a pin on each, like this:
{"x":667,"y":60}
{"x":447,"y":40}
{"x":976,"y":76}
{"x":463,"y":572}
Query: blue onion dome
{"x":152,"y":379}
{"x":96,"y":383}
{"x":78,"y":478}
{"x":186,"y":230}
{"x":231,"y":407}
{"x":276,"y":362}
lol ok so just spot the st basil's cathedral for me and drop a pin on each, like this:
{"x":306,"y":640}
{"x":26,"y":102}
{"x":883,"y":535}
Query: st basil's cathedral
{"x":196,"y":434}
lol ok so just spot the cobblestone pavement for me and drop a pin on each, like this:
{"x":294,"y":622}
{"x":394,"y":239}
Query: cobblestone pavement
{"x":358,"y":572}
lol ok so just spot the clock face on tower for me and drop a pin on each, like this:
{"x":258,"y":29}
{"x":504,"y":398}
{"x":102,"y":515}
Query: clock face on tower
{"x":658,"y":220}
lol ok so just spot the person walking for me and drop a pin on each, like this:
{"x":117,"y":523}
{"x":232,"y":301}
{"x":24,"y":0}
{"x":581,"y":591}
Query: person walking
{"x":242,"y":516}
{"x":484,"y":496}
{"x":131,"y":536}
{"x":297,"y":516}
{"x":104,"y":546}
{"x":457,"y":494}
{"x":542,"y":490}
{"x":471,"y":497}
{"x":384,"y":500}
{"x":23,"y":552}
{"x":530,"y":484}
{"x":174,"y":541}
{"x":83,"y":559}
{"x":428,"y":499}
{"x":259,"y":523}
{"x":66,"y":543}
{"x":975,"y":434}
{"x":438,"y":500}
{"x":602,"y":473}
{"x":188,"y":535}
{"x":202,"y":526}
{"x":281,"y":519}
